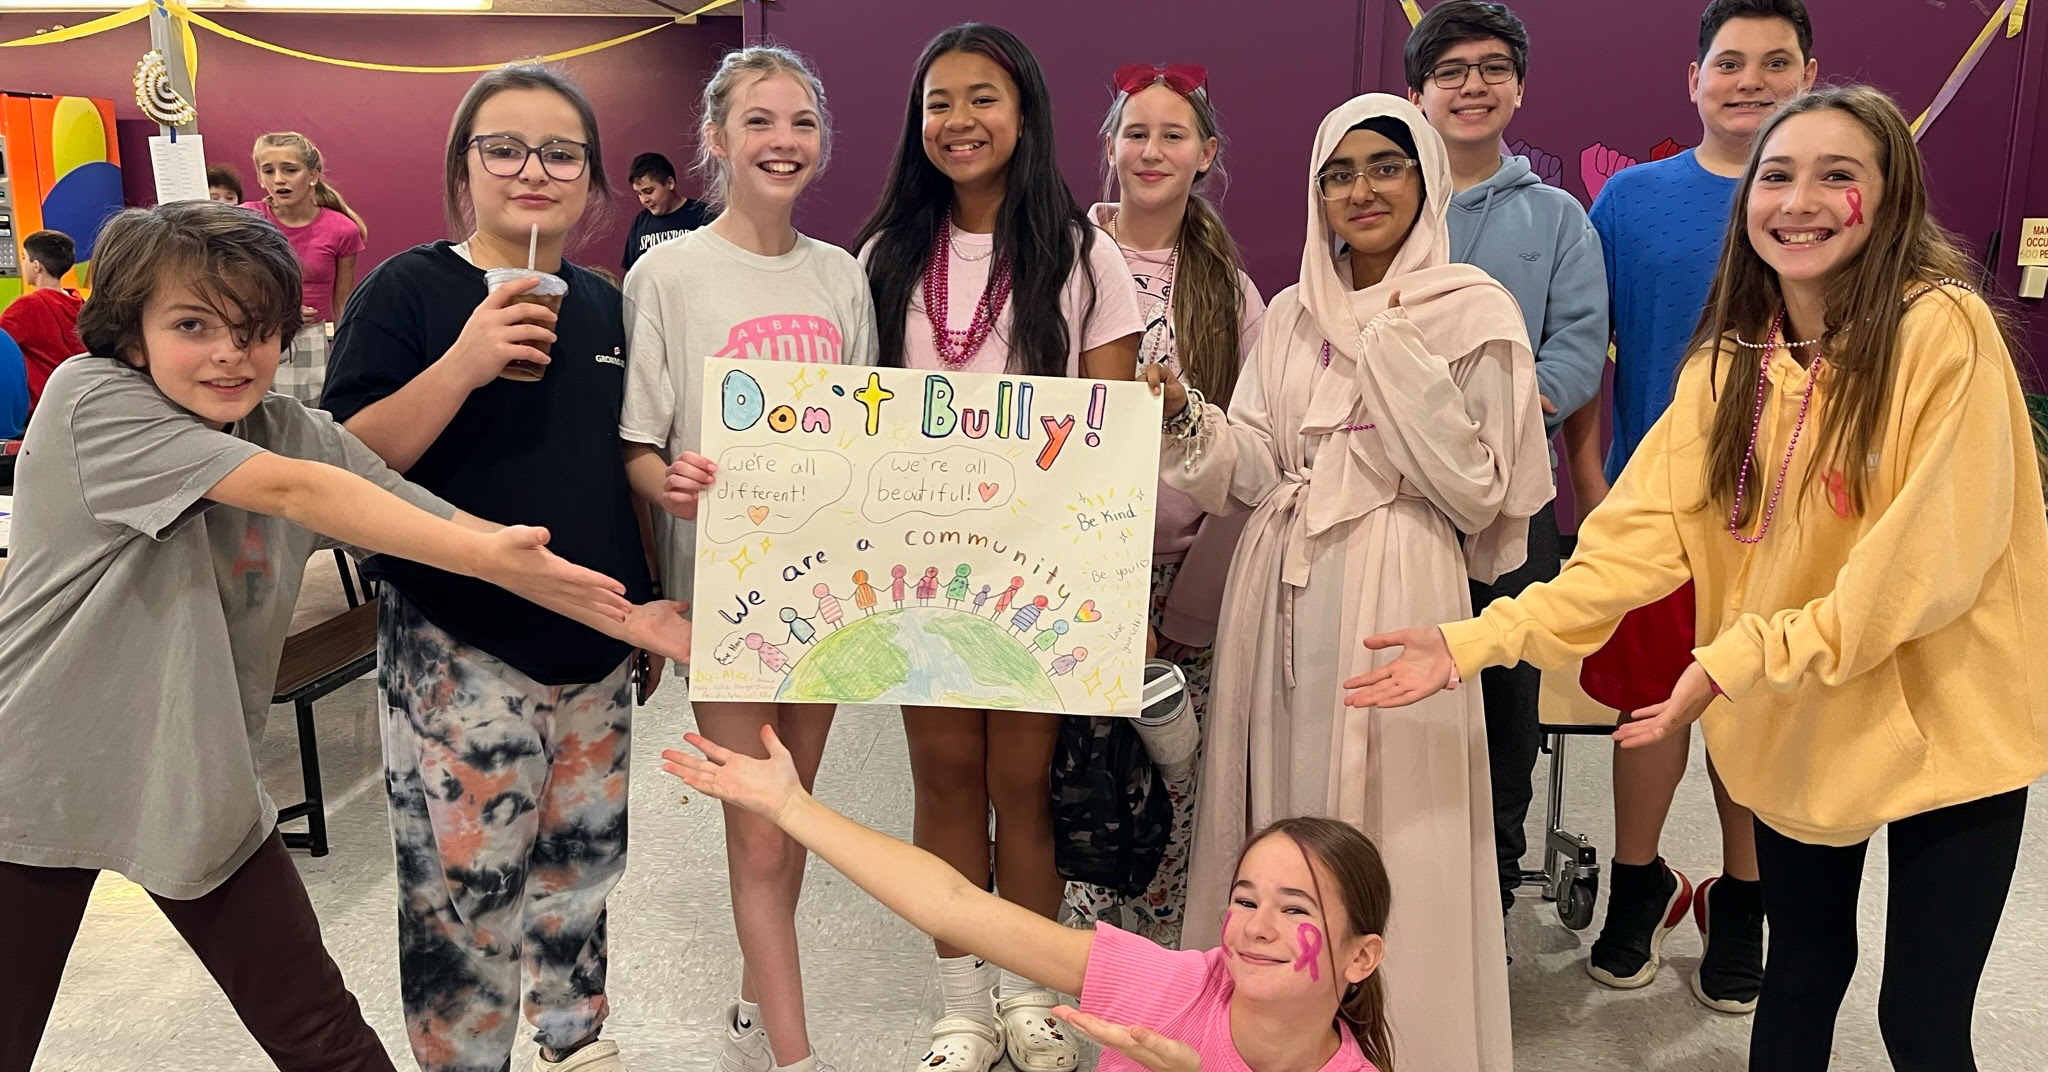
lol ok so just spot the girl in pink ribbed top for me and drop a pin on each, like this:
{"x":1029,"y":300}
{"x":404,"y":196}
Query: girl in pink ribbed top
{"x":1293,"y":985}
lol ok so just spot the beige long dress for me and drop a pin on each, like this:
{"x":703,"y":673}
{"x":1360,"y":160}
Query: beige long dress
{"x":1361,"y":472}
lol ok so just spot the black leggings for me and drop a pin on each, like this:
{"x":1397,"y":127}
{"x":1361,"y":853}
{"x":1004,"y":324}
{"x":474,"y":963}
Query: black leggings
{"x":1950,"y":871}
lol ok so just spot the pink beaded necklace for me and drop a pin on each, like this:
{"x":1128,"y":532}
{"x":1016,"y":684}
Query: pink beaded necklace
{"x":1756,"y":431}
{"x":957,"y":348}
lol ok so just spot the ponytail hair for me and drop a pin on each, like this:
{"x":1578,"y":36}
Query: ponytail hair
{"x":1208,"y":299}
{"x":324,"y":195}
{"x":1367,"y":895}
{"x":1208,"y":305}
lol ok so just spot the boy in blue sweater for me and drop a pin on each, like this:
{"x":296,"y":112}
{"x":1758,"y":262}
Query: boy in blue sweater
{"x":1465,"y":63}
{"x":1661,"y":227}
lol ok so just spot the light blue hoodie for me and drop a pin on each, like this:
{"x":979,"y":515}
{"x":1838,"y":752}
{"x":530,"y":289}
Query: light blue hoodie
{"x":1536,"y":240}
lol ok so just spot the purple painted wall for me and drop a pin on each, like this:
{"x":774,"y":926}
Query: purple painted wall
{"x":1270,"y":71}
{"x":381,"y":132}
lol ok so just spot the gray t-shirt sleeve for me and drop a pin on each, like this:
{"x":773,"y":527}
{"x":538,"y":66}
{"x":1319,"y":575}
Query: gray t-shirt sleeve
{"x":297,"y":431}
{"x":143,"y":463}
{"x":649,"y":413}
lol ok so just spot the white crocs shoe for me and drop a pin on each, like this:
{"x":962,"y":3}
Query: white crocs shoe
{"x":745,"y":1050}
{"x":1037,"y":1041}
{"x":963,"y":1044}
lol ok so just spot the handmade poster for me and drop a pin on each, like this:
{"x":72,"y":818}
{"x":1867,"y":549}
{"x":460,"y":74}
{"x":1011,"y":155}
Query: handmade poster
{"x":904,"y":537}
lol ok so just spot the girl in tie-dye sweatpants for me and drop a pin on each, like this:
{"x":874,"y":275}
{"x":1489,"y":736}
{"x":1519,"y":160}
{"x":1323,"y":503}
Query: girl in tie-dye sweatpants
{"x":508,"y":811}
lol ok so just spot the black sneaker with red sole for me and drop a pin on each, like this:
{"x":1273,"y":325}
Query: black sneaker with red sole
{"x":1645,"y":902}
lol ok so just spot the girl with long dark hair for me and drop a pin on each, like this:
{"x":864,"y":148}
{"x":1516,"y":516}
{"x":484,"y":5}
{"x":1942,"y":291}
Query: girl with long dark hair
{"x":980,"y":261}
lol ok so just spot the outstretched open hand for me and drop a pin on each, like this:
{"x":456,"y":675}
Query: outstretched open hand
{"x":1149,"y":1048}
{"x":658,"y":626}
{"x":1689,"y":699}
{"x":762,"y":786}
{"x":1423,"y":669}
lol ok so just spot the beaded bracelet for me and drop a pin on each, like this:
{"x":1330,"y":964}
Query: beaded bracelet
{"x":1189,"y":423}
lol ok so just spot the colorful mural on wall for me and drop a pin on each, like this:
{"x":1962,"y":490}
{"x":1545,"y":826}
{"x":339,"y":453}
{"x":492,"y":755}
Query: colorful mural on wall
{"x":65,"y":168}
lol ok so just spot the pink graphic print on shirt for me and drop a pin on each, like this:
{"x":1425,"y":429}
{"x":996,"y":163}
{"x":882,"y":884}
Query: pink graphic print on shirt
{"x":785,"y":337}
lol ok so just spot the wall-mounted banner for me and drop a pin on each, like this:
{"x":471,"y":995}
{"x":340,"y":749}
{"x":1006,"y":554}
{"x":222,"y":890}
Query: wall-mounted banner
{"x":904,"y":537}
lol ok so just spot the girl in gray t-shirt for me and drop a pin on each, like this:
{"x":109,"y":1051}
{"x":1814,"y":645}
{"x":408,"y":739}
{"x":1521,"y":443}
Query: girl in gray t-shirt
{"x":166,"y":505}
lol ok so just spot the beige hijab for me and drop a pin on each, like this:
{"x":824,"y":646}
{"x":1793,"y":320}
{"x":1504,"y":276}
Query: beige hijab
{"x":1459,"y":310}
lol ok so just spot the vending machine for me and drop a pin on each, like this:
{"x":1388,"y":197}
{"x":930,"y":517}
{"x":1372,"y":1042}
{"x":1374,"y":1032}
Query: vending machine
{"x":60,"y":170}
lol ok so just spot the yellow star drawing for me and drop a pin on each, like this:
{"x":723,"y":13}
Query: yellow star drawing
{"x":800,"y":382}
{"x":766,"y":542}
{"x":740,"y":561}
{"x":1116,"y":693}
{"x":1092,"y":680}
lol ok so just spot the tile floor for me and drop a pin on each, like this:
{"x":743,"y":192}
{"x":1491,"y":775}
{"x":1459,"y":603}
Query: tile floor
{"x":134,"y":998}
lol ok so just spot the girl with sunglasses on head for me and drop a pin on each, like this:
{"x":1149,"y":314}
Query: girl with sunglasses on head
{"x":508,"y":730}
{"x":1387,"y":438}
{"x":1162,"y":145}
{"x":1848,"y":476}
{"x":976,"y":216}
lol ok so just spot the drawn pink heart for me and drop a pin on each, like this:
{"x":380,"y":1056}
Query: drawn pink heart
{"x":1087,"y":612}
{"x":988,"y":491}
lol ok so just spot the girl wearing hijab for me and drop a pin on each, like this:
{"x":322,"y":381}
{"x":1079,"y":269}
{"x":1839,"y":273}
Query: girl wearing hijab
{"x":1387,"y":439}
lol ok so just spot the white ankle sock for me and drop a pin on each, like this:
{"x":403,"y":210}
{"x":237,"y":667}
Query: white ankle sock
{"x":964,"y":987}
{"x":746,"y":1016}
{"x":808,"y":1064}
{"x":1014,"y":984}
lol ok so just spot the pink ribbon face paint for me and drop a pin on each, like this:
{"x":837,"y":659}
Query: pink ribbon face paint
{"x":1311,"y":958}
{"x":1855,"y":208}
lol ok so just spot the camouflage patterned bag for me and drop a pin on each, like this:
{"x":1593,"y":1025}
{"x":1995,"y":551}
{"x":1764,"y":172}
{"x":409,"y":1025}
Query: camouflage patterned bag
{"x":1110,"y":813}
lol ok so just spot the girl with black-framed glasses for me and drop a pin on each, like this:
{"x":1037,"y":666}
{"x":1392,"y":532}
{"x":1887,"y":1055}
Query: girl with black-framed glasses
{"x":508,"y":730}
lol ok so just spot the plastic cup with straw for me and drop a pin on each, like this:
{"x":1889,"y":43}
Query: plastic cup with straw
{"x":547,"y":293}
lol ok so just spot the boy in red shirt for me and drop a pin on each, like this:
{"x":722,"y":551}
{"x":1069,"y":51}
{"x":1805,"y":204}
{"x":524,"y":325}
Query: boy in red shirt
{"x":44,"y":321}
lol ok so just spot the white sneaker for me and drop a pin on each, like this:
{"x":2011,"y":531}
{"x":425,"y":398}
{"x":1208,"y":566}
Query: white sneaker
{"x":745,"y":1050}
{"x":1038,"y":1042}
{"x":599,"y":1056}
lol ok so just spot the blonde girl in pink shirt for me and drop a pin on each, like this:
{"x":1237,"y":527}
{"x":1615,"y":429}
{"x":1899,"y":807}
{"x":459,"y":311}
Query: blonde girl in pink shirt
{"x":1294,"y":983}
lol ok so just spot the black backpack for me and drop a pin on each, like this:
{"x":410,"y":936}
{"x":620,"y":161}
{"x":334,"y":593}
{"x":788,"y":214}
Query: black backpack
{"x":1110,"y":813}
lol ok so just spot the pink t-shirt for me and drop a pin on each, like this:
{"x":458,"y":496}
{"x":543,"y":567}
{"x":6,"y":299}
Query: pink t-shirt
{"x":1152,"y":271}
{"x":968,"y":259}
{"x":320,"y":245}
{"x":1182,"y":995}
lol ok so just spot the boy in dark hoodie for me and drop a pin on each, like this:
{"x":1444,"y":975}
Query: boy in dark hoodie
{"x":1465,"y":64}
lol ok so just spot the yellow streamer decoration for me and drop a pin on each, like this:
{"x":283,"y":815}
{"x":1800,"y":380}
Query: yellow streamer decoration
{"x":187,"y":18}
{"x":2014,"y":23}
{"x":84,"y":29}
{"x":1413,"y":11}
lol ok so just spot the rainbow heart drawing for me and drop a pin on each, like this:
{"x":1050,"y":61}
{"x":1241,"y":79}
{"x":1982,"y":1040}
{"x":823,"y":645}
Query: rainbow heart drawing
{"x":1087,"y":612}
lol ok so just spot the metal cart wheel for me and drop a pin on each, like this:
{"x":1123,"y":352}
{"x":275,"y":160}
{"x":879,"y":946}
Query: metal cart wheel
{"x":1575,"y":908}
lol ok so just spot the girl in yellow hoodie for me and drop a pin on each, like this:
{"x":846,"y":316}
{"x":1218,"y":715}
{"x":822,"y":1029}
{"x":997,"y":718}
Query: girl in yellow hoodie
{"x":1848,"y":478}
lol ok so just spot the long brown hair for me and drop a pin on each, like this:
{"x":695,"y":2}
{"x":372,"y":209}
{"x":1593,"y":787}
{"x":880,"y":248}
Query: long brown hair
{"x":1906,"y":252}
{"x":1368,"y":896}
{"x":1207,"y":299}
{"x":324,"y":195}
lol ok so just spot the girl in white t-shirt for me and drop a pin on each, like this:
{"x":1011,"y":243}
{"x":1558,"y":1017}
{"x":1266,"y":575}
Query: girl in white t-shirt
{"x":975,"y":214}
{"x":749,"y":285}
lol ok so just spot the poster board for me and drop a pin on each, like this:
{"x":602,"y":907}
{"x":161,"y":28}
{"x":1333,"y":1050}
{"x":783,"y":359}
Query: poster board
{"x":936,"y":538}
